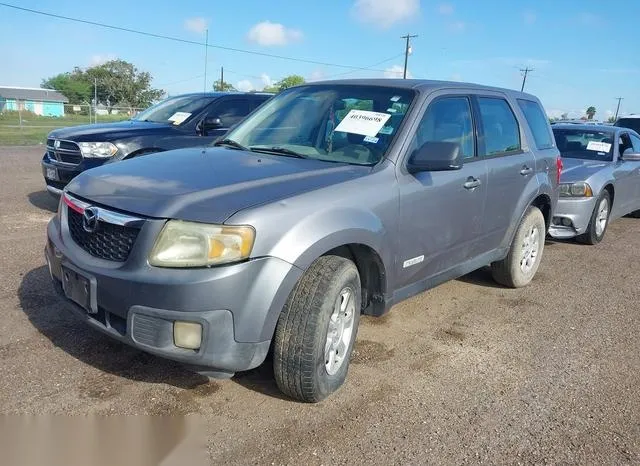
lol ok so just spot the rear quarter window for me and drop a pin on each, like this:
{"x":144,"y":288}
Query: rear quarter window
{"x":537,"y":121}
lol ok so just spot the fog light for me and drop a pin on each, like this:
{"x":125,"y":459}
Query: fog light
{"x":557,"y":220}
{"x":566,"y":222}
{"x":187,"y":335}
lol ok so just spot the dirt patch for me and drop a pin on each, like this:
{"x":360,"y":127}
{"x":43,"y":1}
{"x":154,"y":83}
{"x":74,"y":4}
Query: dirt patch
{"x":382,"y":320}
{"x":370,"y":352}
{"x":102,"y":387}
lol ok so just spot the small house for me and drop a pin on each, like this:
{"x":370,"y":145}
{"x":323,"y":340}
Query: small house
{"x":44,"y":102}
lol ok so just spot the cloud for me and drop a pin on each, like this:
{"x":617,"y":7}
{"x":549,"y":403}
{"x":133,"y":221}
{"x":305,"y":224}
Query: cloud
{"x":197,"y":25}
{"x":385,"y":13}
{"x":317,"y":75}
{"x":269,"y":34}
{"x":457,"y":26}
{"x":456,"y":77}
{"x":529,"y":17}
{"x":445,"y":9}
{"x":266,"y":80}
{"x":101,"y":59}
{"x":245,"y":85}
{"x":396,"y":71}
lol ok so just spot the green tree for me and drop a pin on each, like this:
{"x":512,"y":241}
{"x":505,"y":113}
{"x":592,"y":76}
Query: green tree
{"x":611,"y":119}
{"x":117,"y":82}
{"x":73,"y":85}
{"x":223,"y":86}
{"x":120,"y":83}
{"x":591,"y":111}
{"x":285,"y":83}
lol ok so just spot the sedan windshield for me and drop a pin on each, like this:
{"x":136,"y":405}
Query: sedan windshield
{"x":175,"y":110}
{"x":585,"y":144}
{"x":335,"y":123}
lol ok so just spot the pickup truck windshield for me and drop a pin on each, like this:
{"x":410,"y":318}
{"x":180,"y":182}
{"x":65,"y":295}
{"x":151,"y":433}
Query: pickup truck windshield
{"x":336,"y":123}
{"x":585,"y":144}
{"x":175,"y":110}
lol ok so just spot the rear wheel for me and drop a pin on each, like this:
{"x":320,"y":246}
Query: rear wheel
{"x":522,"y":261}
{"x":599,"y":220}
{"x":317,"y":330}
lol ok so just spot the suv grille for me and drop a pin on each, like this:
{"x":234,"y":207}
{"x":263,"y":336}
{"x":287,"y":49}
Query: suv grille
{"x":109,"y":241}
{"x":66,"y":152}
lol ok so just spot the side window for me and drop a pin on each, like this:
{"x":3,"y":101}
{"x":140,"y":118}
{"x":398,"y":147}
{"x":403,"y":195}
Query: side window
{"x":538,"y":123}
{"x":625,"y":143}
{"x":501,"y":130}
{"x":231,"y":111}
{"x":635,"y":141}
{"x":447,"y":119}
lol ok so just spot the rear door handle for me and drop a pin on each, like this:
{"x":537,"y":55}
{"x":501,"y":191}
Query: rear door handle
{"x":526,"y":170}
{"x":472,"y":183}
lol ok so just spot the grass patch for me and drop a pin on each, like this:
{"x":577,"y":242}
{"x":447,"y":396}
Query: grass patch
{"x":26,"y":136}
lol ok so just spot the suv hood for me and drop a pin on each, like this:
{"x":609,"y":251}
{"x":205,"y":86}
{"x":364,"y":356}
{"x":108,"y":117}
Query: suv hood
{"x":107,"y":131}
{"x":205,"y":185}
{"x":580,"y":169}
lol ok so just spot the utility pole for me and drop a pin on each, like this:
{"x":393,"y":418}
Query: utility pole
{"x":222,"y":78}
{"x":95,"y":99}
{"x":526,"y":71}
{"x":618,"y":109}
{"x":206,"y":56}
{"x":407,"y":51}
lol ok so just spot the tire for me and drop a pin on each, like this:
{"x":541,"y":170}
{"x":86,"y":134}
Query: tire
{"x":597,"y":224}
{"x":525,"y":253}
{"x":301,"y":368}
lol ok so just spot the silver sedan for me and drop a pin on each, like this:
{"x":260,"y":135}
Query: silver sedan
{"x":600,"y":179}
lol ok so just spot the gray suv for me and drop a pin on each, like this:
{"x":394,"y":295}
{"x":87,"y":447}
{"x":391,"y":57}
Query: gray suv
{"x":332,"y":200}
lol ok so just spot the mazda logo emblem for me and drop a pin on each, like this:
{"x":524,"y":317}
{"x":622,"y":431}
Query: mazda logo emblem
{"x":90,"y":220}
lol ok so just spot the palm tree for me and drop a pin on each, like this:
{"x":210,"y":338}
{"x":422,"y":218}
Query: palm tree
{"x":591,"y":111}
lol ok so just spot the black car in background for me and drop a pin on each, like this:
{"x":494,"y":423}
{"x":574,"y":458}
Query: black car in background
{"x":629,"y":122}
{"x":181,"y":121}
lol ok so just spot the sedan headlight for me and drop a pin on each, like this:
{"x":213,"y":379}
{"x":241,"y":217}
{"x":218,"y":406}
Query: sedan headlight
{"x":190,"y":244}
{"x":97,"y":149}
{"x":579,"y":189}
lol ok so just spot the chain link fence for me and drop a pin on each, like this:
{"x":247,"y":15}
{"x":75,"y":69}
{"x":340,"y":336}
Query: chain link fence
{"x":26,"y":123}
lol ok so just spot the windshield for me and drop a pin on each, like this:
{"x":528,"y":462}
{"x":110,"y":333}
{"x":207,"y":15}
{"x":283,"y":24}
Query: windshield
{"x":631,"y":123}
{"x":585,"y":144}
{"x":336,"y":123}
{"x":175,"y":110}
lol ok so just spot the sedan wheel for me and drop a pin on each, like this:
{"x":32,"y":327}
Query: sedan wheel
{"x":599,"y":220}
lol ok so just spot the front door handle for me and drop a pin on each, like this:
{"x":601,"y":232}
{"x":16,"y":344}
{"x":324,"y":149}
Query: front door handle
{"x":526,"y":170}
{"x":472,"y":183}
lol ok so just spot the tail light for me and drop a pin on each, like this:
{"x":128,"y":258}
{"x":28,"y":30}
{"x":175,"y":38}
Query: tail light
{"x":559,"y":167}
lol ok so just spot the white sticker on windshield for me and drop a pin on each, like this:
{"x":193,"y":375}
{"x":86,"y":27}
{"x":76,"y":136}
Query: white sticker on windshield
{"x":362,"y":122}
{"x":395,"y":98}
{"x":599,"y":146}
{"x":371,"y":139}
{"x":179,"y":117}
{"x":386,"y":130}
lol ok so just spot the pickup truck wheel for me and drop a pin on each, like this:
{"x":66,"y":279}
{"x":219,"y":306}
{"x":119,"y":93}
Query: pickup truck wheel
{"x":521,"y":264}
{"x":317,"y":329}
{"x":599,"y":220}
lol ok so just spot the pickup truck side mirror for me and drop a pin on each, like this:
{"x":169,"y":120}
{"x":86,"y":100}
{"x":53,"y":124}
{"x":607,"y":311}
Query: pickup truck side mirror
{"x":436,"y":156}
{"x":630,"y":156}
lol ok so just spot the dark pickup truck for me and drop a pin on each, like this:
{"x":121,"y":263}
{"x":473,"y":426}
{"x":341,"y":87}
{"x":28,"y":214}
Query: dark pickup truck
{"x":181,"y":121}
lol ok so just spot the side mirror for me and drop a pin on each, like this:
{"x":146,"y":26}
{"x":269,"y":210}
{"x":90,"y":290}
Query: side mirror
{"x":630,"y":156}
{"x":436,"y":156}
{"x":209,"y":123}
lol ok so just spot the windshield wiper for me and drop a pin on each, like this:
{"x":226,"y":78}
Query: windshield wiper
{"x":280,"y":150}
{"x":230,"y":143}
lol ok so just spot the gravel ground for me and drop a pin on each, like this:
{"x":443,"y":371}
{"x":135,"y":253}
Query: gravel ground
{"x":468,"y":372}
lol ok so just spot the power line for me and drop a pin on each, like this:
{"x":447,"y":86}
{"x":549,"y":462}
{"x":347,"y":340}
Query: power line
{"x":184,"y":41}
{"x":619,"y":99}
{"x":526,"y":71}
{"x":407,"y":51}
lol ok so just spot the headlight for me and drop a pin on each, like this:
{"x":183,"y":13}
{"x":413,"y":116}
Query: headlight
{"x":97,"y":149}
{"x":579,"y":189}
{"x":190,"y":244}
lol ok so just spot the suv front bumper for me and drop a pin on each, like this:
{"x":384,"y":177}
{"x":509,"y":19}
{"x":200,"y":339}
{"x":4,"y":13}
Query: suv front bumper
{"x":236,"y":305}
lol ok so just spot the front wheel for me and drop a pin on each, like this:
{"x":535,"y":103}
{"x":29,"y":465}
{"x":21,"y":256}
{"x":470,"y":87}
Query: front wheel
{"x":317,"y":329}
{"x":599,"y":220}
{"x":525,"y":253}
